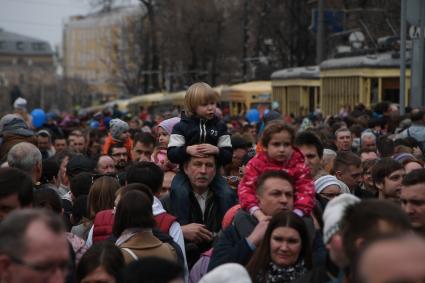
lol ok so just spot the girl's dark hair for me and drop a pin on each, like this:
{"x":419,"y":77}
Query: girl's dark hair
{"x":104,"y":254}
{"x":79,"y":209}
{"x":102,"y":195}
{"x":261,"y":258}
{"x":134,"y":210}
{"x":137,"y":187}
{"x":275,"y":127}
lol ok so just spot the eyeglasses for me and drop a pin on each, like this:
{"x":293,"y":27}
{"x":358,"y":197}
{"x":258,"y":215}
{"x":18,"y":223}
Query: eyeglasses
{"x":97,"y":176}
{"x":46,"y":268}
{"x":232,"y":179}
{"x":330,"y":195}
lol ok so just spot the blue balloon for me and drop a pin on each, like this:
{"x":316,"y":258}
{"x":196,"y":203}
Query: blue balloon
{"x":38,"y":117}
{"x":253,"y":116}
{"x":94,"y":124}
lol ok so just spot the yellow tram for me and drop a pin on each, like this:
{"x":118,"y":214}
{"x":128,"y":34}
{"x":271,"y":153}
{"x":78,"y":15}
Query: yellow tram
{"x":148,"y":101}
{"x":361,"y":79}
{"x":239,"y":98}
{"x":297,"y":90}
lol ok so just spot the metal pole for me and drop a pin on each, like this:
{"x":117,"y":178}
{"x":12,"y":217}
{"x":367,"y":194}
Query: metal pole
{"x":419,"y":73}
{"x":245,"y":41}
{"x":320,"y":32}
{"x":403,"y":56}
{"x":421,"y":55}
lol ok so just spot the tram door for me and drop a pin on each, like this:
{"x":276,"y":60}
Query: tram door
{"x":311,"y":106}
{"x":391,"y":89}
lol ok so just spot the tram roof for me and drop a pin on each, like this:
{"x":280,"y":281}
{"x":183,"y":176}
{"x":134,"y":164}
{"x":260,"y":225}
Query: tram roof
{"x":309,"y":72}
{"x":146,"y":97}
{"x":383,"y":60}
{"x":255,"y":86}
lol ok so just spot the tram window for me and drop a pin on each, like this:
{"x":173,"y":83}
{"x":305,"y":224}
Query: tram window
{"x":374,"y":87}
{"x":391,"y":95}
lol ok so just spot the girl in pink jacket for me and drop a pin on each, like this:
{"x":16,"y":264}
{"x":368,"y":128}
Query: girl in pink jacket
{"x":278,"y":154}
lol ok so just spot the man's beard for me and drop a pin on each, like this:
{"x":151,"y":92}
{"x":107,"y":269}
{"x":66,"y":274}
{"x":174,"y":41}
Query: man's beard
{"x":121,"y":165}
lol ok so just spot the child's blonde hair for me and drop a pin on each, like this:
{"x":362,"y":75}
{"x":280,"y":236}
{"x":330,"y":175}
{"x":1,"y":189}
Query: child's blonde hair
{"x":199,"y":94}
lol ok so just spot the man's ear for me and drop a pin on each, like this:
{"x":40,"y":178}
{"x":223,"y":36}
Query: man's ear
{"x":359,"y":243}
{"x":338,"y":174}
{"x":380,"y":186}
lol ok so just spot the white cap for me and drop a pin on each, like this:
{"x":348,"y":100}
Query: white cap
{"x":328,"y":180}
{"x":20,"y":103}
{"x":334,"y":212}
{"x":229,"y":272}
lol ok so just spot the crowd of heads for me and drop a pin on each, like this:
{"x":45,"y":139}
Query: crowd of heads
{"x":183,"y":197}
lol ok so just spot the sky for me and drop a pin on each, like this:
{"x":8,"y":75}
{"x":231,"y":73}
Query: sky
{"x":43,"y":19}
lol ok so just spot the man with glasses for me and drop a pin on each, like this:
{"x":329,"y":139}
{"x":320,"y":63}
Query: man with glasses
{"x":347,"y":168}
{"x":387,"y":174}
{"x":329,"y":187}
{"x":118,"y":152}
{"x":33,"y":248}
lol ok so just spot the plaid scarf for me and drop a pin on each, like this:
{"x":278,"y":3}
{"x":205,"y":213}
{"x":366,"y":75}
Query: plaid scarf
{"x":276,"y":274}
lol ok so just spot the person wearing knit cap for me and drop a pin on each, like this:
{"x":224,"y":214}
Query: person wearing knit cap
{"x":169,"y":124}
{"x":20,"y":103}
{"x":159,"y":156}
{"x":20,"y":108}
{"x":329,"y":187}
{"x":14,"y":130}
{"x":118,"y":133}
{"x":119,"y":130}
{"x":331,"y":218}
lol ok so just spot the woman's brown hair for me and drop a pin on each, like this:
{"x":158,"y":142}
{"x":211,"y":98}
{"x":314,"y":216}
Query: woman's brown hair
{"x":102,"y":195}
{"x":261,"y":258}
{"x":134,"y":210}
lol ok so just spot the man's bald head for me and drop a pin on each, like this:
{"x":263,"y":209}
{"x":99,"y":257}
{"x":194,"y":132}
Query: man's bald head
{"x":105,"y":165}
{"x":398,"y":259}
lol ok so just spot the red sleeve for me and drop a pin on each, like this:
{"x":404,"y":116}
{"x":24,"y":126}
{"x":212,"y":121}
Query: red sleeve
{"x":247,"y":186}
{"x":304,"y":189}
{"x":107,"y":145}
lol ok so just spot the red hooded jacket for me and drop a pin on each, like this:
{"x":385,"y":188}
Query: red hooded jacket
{"x":295,"y":166}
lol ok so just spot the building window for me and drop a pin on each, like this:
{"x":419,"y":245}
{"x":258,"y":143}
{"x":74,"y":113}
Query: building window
{"x":19,"y":45}
{"x":38,"y":46}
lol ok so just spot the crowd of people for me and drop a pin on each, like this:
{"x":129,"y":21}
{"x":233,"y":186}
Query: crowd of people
{"x":201,"y":196}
